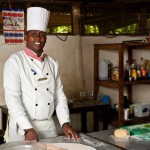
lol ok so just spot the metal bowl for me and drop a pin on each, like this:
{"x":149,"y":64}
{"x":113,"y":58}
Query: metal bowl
{"x":23,"y":145}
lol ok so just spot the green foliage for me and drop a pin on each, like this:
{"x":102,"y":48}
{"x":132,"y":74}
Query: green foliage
{"x":131,"y":29}
{"x":91,"y":29}
{"x":62,"y":29}
{"x":95,"y":30}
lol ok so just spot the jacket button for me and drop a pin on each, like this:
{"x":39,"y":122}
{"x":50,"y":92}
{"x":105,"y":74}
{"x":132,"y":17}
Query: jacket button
{"x":31,"y":59}
{"x":48,"y":103}
{"x":47,"y":74}
{"x":47,"y":89}
{"x":35,"y":89}
{"x":36,"y":104}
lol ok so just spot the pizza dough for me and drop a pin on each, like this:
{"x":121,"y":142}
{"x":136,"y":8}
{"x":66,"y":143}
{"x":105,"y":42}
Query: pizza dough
{"x":121,"y":133}
{"x":68,"y":146}
{"x":52,"y":147}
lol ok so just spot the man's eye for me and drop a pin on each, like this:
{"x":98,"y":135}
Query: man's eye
{"x":43,"y":35}
{"x":33,"y":34}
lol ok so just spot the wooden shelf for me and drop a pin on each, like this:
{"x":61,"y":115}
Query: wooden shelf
{"x":108,"y":83}
{"x":138,"y":82}
{"x":137,"y":120}
{"x":120,"y":85}
{"x":131,"y":121}
{"x":115,"y":84}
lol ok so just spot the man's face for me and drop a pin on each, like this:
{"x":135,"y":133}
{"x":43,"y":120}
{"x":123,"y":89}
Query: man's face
{"x":35,"y":40}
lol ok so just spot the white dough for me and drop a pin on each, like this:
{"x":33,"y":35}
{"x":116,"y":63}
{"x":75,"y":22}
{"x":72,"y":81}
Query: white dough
{"x":68,"y":146}
{"x":121,"y":133}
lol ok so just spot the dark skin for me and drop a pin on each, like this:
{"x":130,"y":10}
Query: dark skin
{"x":35,"y":41}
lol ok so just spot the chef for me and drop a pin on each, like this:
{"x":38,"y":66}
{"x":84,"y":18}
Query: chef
{"x":33,"y":88}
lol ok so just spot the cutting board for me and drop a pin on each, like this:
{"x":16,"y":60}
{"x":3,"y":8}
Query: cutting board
{"x":141,"y":131}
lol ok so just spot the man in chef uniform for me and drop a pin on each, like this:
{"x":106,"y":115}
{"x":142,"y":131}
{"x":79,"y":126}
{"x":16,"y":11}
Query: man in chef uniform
{"x":33,"y":88}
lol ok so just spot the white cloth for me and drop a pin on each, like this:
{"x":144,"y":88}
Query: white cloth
{"x":30,"y":102}
{"x":37,"y":18}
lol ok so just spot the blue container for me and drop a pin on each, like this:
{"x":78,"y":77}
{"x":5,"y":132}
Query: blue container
{"x":105,"y":99}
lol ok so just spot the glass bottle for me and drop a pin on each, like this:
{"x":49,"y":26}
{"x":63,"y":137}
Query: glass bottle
{"x":142,"y":65}
{"x":148,"y":70}
{"x":127,"y":70}
{"x":134,"y":70}
{"x":139,"y":74}
{"x":115,"y":73}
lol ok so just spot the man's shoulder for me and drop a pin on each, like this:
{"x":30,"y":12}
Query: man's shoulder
{"x":13,"y":60}
{"x":15,"y":56}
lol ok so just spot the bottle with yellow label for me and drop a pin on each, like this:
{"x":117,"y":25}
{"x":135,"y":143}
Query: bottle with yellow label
{"x":134,"y":70}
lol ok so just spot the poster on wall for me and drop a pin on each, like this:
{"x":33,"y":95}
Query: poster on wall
{"x":13,"y":25}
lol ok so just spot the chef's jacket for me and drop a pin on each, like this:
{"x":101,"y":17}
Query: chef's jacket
{"x":33,"y":89}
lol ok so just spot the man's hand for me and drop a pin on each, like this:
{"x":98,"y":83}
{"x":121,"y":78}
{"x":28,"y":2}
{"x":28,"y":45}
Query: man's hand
{"x":31,"y":135}
{"x":70,"y":132}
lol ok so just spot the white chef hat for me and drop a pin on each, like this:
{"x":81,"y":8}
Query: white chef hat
{"x":37,"y":18}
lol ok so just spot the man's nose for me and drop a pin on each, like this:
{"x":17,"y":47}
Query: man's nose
{"x":38,"y":36}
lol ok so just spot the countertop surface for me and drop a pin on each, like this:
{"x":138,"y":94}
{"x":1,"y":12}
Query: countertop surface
{"x":86,"y":140}
{"x":102,"y":140}
{"x":133,"y":143}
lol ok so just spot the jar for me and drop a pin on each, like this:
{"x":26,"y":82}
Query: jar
{"x":134,"y":70}
{"x":115,"y":73}
{"x":131,"y":110}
